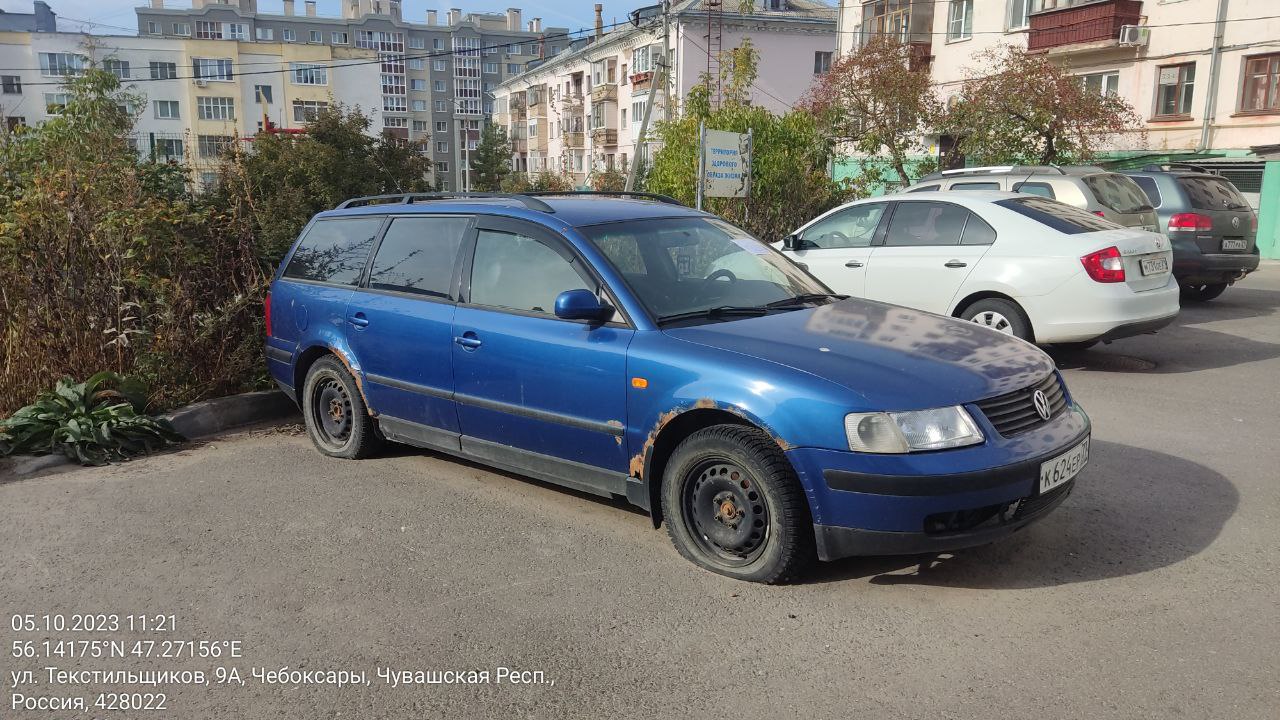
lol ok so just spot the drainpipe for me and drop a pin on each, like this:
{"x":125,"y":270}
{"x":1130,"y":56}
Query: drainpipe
{"x":1215,"y":65}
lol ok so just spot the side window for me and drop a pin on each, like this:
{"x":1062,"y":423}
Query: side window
{"x":334,"y":250}
{"x":1148,"y":185}
{"x":417,"y":255}
{"x":926,"y":223}
{"x":976,"y":186}
{"x":977,"y":232}
{"x":517,"y":272}
{"x":1035,"y":188}
{"x":851,"y":228}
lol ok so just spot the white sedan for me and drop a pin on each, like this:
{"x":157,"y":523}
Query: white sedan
{"x":1026,"y":265}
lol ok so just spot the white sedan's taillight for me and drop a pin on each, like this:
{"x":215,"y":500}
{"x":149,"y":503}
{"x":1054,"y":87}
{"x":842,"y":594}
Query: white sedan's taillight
{"x":1104,"y":266}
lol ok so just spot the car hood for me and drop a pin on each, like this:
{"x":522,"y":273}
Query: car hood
{"x":896,"y":358}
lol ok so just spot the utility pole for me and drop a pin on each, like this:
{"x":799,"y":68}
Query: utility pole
{"x":659,"y":80}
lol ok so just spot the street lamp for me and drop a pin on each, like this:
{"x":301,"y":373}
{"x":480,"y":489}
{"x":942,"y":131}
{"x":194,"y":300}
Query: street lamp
{"x":465,"y":139}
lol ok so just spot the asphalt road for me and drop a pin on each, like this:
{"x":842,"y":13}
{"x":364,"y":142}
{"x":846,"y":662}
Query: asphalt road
{"x":1152,"y":592}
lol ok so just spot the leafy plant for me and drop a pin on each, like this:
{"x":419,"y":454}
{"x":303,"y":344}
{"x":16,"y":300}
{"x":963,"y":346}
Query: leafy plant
{"x":92,"y":422}
{"x":491,"y":160}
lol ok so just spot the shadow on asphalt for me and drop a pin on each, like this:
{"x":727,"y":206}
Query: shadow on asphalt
{"x":1180,"y":349}
{"x":1133,"y":511}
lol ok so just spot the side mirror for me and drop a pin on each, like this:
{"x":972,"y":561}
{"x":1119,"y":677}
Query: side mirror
{"x":581,"y":305}
{"x":792,"y":242}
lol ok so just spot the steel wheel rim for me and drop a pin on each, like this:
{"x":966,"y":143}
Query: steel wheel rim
{"x":725,"y":512}
{"x":331,"y":411}
{"x":993,"y":320}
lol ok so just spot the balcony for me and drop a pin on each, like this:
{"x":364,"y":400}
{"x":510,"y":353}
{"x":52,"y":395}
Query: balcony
{"x":641,"y":81}
{"x":575,"y":140}
{"x":604,"y":93}
{"x":604,"y":137}
{"x":1082,"y":23}
{"x":571,"y":104}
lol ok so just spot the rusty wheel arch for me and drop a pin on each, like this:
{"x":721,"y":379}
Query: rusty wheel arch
{"x":309,"y":358}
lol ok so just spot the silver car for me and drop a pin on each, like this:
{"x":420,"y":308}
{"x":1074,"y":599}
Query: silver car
{"x":1110,"y":195}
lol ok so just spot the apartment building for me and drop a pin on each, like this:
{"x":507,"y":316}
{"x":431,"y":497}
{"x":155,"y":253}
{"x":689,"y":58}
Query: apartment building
{"x":41,"y":19}
{"x":581,"y":111}
{"x":196,"y":95}
{"x":1204,"y":74}
{"x":432,"y":80}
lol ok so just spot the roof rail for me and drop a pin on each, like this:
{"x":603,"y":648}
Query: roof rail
{"x":409,"y":198}
{"x":1167,"y":167}
{"x":607,"y":193}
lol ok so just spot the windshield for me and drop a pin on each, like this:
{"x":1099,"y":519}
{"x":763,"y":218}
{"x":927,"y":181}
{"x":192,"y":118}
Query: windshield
{"x":1118,"y":192}
{"x":678,"y":266}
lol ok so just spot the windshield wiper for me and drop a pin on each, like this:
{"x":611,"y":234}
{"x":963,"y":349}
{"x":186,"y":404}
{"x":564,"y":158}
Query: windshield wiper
{"x":804,"y":298}
{"x":715,"y":312}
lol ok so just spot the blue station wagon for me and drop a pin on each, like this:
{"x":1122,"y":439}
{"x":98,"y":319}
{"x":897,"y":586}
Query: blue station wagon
{"x":628,"y":346}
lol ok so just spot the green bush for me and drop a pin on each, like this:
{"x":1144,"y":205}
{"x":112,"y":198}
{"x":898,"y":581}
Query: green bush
{"x":92,"y":423}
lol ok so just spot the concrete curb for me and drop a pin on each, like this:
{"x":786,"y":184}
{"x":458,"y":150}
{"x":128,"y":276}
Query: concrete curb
{"x":199,"y":420}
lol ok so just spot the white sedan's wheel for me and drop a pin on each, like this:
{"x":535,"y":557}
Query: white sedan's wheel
{"x":995,"y":321}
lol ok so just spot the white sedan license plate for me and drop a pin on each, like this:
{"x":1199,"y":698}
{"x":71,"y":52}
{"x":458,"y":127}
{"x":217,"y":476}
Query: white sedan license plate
{"x":1064,"y":467}
{"x":1235,"y":244}
{"x":1155,"y":266}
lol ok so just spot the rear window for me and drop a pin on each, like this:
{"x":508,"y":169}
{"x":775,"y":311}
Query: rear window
{"x":1118,"y":192}
{"x":1149,"y":187}
{"x":417,"y":255}
{"x":1058,"y":215}
{"x":334,"y":251}
{"x":1213,"y":193}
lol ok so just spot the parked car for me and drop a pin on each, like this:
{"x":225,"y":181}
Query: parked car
{"x":1213,"y":229}
{"x":592,"y":342}
{"x":1105,"y":194}
{"x":1025,"y":265}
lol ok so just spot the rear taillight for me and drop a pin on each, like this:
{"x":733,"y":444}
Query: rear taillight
{"x":1191,"y":221}
{"x":1099,"y":213}
{"x":266,"y":313}
{"x":1253,"y":222}
{"x":1104,"y":266}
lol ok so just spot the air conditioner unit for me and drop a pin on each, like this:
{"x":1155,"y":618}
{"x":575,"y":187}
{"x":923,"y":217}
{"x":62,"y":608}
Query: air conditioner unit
{"x":1134,"y":35}
{"x":201,"y":82}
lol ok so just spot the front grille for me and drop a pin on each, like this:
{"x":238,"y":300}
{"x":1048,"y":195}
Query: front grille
{"x":971,"y":520}
{"x":1015,"y":412}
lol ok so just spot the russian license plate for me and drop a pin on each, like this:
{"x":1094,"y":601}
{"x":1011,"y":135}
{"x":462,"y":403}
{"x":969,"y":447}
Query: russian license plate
{"x":1155,"y":266}
{"x":1235,"y":244}
{"x":1064,"y":467}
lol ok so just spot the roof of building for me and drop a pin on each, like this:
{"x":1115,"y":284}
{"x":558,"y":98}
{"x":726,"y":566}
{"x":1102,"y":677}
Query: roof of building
{"x":41,"y":20}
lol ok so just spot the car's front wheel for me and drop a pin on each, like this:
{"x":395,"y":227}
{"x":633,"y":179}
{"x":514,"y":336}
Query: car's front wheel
{"x":1203,"y":293}
{"x":733,"y":505}
{"x":337,"y":420}
{"x":1002,"y":315}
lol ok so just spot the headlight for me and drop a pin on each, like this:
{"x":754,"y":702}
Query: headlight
{"x":903,"y":432}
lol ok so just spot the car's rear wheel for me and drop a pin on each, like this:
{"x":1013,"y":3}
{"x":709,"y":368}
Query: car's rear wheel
{"x":733,"y":505}
{"x":1203,"y":293}
{"x":337,"y":420}
{"x":1001,"y":315}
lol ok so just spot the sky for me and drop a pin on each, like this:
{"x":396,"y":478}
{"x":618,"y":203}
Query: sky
{"x":116,"y":17}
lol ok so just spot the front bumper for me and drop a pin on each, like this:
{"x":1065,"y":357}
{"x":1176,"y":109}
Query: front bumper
{"x":932,"y":502}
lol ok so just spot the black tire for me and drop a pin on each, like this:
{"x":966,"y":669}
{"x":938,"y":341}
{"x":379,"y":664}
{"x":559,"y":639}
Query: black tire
{"x":734,"y":506}
{"x":1002,"y":315}
{"x":1203,"y":293}
{"x":333,"y":409}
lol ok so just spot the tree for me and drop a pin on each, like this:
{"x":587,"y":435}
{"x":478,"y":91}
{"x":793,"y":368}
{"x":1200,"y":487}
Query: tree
{"x":789,"y":160}
{"x":288,"y":178}
{"x":877,"y":100}
{"x":1021,"y":108}
{"x":491,"y":160}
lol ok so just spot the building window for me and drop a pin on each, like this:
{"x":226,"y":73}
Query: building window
{"x":212,"y":146}
{"x":216,"y":108}
{"x":491,"y":68}
{"x":309,"y":74}
{"x":237,"y":31}
{"x":438,"y":86}
{"x":60,"y":64}
{"x":11,"y":84}
{"x":443,"y":165}
{"x":395,"y":103}
{"x":418,"y":84}
{"x":885,"y":19}
{"x":419,"y":105}
{"x":417,"y":64}
{"x":437,"y":44}
{"x":395,"y":122}
{"x":13,"y":122}
{"x":208,"y":30}
{"x":55,"y":102}
{"x":264,"y":33}
{"x":307,"y":110}
{"x":533,"y":129}
{"x":338,"y":38}
{"x":1174,"y":87}
{"x":262,"y":94}
{"x":821,"y":62}
{"x":513,"y":68}
{"x":164,"y":70}
{"x":420,"y":126}
{"x":183,"y":29}
{"x":168,"y":148}
{"x":441,"y":106}
{"x":491,"y":49}
{"x":622,"y":121}
{"x":153,"y":28}
{"x":513,"y":49}
{"x":439,"y":65}
{"x":211,"y":69}
{"x":393,"y":84}
{"x":167,"y":109}
{"x":1103,"y":83}
{"x":288,"y":35}
{"x":1017,"y":16}
{"x":640,"y":60}
{"x":1261,"y":84}
{"x":316,"y":37}
{"x":960,"y":20}
{"x":417,"y":43}
{"x":442,"y":126}
{"x":442,"y":146}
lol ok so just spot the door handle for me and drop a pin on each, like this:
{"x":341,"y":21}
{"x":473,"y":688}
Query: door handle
{"x":359,"y":320}
{"x":853,"y":264}
{"x":955,"y":264}
{"x":468,"y":340}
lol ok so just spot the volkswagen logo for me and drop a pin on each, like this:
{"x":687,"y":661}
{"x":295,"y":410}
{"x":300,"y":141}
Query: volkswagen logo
{"x":1042,"y":403}
{"x":1235,"y":222}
